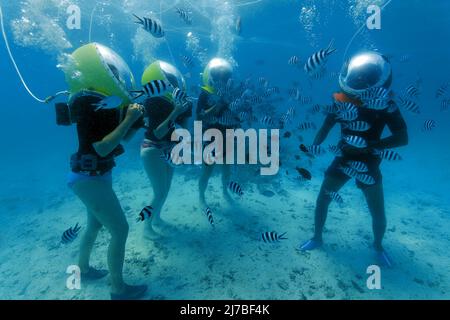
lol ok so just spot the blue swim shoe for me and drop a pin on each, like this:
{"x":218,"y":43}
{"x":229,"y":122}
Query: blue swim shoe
{"x":311,"y":245}
{"x":384,"y":260}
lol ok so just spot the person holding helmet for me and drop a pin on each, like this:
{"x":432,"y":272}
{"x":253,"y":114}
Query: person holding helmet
{"x":100,"y":105}
{"x":363,"y":77}
{"x":163,"y":113}
{"x":211,"y":108}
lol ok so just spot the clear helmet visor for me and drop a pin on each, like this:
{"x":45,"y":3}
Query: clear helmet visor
{"x":219,"y":71}
{"x":117,"y":66}
{"x":364,"y":71}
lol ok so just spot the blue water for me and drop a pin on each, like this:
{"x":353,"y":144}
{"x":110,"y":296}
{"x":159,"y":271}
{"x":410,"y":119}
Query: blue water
{"x":35,"y":152}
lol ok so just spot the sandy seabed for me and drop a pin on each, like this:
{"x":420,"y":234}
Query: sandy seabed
{"x":191,"y":260}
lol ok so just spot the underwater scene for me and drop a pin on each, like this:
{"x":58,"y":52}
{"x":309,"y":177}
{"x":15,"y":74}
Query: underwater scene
{"x":225,"y":150}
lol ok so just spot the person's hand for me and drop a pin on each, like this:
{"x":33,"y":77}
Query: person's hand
{"x":181,"y":108}
{"x":135,"y":112}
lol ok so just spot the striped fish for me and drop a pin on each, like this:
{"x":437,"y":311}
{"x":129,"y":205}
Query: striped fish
{"x":209,"y":215}
{"x":365,"y":179}
{"x":317,"y":61}
{"x":315,"y":150}
{"x":305,"y":100}
{"x":294,"y":61}
{"x":345,"y":107}
{"x":376,"y":104}
{"x":288,"y":116}
{"x":185,"y":15}
{"x":235,"y":105}
{"x":70,"y":234}
{"x":409,"y":105}
{"x":358,"y":126}
{"x":272,"y":236}
{"x":188,"y":61}
{"x":227,"y":119}
{"x":245,"y":116}
{"x":388,"y":155}
{"x":349,"y":171}
{"x":153,"y":89}
{"x":235,"y":188}
{"x":412,"y":92}
{"x":443,"y":90}
{"x":263,"y":82}
{"x":334,"y":196}
{"x":294,"y":93}
{"x":356,"y":141}
{"x":335,"y":150}
{"x":145,"y":213}
{"x":358,"y":166}
{"x":347,"y":115}
{"x":316,"y":109}
{"x":179,"y":95}
{"x":331,"y":108}
{"x":256,"y":100}
{"x":307,"y":126}
{"x":151,"y":26}
{"x":445,"y":104}
{"x":429,"y":125}
{"x":378,"y":93}
{"x":267,"y":121}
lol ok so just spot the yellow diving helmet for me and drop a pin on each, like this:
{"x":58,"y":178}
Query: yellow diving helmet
{"x":217,"y":71}
{"x":160,"y":70}
{"x":96,"y":68}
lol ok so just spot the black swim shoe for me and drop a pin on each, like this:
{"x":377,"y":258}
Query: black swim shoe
{"x":94,"y":274}
{"x":130,"y":293}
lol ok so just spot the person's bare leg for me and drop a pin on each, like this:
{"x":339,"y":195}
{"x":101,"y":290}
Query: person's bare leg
{"x":375,"y":201}
{"x":102,"y":203}
{"x":157,"y":221}
{"x":86,"y":245}
{"x":203,"y":183}
{"x":226,"y":176}
{"x":157,"y":172}
{"x":330,"y":184}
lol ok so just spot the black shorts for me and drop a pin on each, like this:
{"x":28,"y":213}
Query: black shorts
{"x":373,"y":164}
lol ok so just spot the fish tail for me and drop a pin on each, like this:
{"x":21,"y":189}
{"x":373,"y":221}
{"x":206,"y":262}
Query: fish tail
{"x":141,"y":21}
{"x":282,"y":236}
{"x":139,"y":93}
{"x":331,"y":47}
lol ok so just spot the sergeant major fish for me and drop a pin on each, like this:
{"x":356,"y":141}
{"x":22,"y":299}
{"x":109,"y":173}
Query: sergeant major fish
{"x":272,"y":236}
{"x":151,"y":26}
{"x":316,"y":62}
{"x":235,"y":188}
{"x":70,"y":234}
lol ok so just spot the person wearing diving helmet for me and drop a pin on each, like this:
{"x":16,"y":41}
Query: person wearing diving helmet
{"x":164,"y":114}
{"x":363,"y":109}
{"x":214,"y":112}
{"x":100,"y":105}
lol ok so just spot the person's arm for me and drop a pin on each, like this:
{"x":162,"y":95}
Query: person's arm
{"x":399,"y":136}
{"x":163,"y":129}
{"x":112,"y":140}
{"x":205,"y":111}
{"x":328,"y":124}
